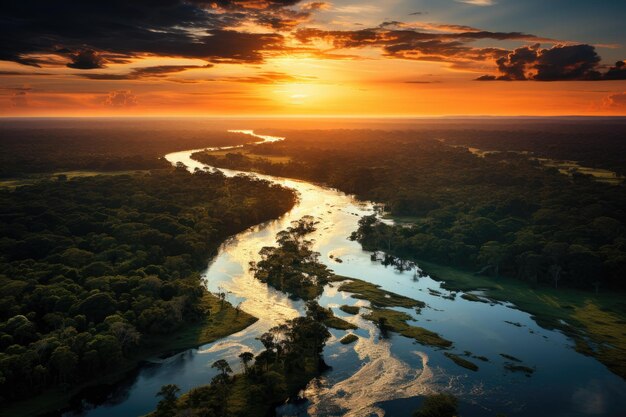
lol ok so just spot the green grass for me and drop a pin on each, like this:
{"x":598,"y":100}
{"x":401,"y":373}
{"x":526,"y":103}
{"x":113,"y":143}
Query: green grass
{"x":375,"y":295}
{"x":594,"y":321}
{"x":249,"y":153}
{"x":396,"y":321}
{"x":464,"y":363}
{"x":220,"y":323}
{"x":473,"y":297}
{"x":349,"y":338}
{"x":350,"y":309}
{"x":33,"y":178}
{"x":339,"y":323}
{"x":569,"y":167}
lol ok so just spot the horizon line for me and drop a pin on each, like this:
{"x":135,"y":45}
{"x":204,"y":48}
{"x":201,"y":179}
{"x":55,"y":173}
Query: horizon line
{"x":396,"y":117}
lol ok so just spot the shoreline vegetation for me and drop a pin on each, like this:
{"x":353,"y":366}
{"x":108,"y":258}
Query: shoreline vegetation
{"x":288,"y":362}
{"x":291,"y":358}
{"x":497,"y":214}
{"x":112,"y":279}
{"x":595,"y":322}
{"x":225,"y":320}
{"x":292,"y":267}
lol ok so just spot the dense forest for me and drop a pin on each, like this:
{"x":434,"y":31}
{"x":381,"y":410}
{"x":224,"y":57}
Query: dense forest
{"x":103,"y":146}
{"x":92,"y":268}
{"x":597,"y":145}
{"x":292,"y":356}
{"x":292,"y":266}
{"x":501,"y":214}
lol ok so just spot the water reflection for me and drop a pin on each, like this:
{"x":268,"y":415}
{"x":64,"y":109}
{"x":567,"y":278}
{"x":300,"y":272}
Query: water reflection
{"x":368,"y":376}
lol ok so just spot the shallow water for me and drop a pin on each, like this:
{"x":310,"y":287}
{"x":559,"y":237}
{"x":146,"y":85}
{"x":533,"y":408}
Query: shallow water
{"x":374,"y":376}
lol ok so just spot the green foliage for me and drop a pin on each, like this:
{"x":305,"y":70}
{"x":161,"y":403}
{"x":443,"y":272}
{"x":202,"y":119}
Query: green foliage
{"x":364,"y":290}
{"x":94,"y":269}
{"x":292,"y":266}
{"x":502,"y":214}
{"x":51,"y":146}
{"x":461,"y":361}
{"x":349,"y":338}
{"x":350,"y":309}
{"x":438,"y":405}
{"x":292,"y":357}
{"x":396,"y":321}
{"x":167,"y":404}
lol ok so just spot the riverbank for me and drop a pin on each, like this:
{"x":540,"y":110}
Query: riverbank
{"x":291,"y":359}
{"x":595,"y":322}
{"x":223,"y":321}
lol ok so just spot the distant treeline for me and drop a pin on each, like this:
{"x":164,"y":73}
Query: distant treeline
{"x":502,"y":214}
{"x":91,"y":268}
{"x":603,"y":146}
{"x":110,"y":146}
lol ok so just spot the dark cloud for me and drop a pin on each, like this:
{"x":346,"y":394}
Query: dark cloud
{"x":576,"y":62}
{"x":91,"y":34}
{"x":86,"y":59}
{"x":413,"y":44}
{"x":144,"y":72}
{"x":618,"y":72}
{"x":559,"y":63}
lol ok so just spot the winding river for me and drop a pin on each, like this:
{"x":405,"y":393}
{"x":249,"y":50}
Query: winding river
{"x":377,"y":377}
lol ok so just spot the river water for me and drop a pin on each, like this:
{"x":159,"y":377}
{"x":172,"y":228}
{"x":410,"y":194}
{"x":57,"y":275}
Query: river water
{"x":374,"y":376}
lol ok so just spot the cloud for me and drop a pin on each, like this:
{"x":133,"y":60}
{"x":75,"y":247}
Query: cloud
{"x":86,"y":59}
{"x":19,"y":100}
{"x":453,"y":46}
{"x":88,"y":35}
{"x":317,"y":5}
{"x":120,"y":98}
{"x":358,"y":8}
{"x":143,"y":72}
{"x":617,"y":100}
{"x":617,"y":72}
{"x":478,"y":2}
{"x":559,"y":63}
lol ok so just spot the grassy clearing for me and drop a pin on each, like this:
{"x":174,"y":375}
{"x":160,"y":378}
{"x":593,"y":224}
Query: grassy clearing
{"x":571,"y":167}
{"x":374,"y":294}
{"x":396,"y":321}
{"x":349,"y":338}
{"x":350,"y":309}
{"x":33,"y":178}
{"x":464,"y":363}
{"x":249,"y":153}
{"x":338,"y":323}
{"x":596,"y":322}
{"x":220,"y":323}
{"x":473,"y":297}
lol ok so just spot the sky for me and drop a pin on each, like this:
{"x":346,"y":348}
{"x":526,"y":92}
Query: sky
{"x":312,"y":58}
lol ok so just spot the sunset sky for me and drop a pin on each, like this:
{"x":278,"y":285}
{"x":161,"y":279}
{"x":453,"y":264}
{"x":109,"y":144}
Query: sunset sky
{"x":289,"y":57}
